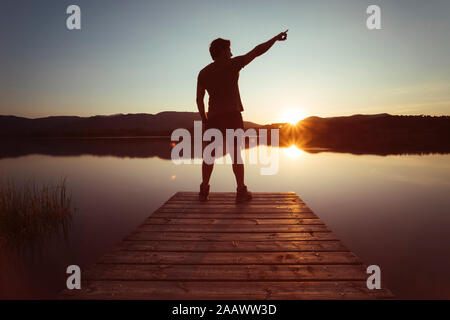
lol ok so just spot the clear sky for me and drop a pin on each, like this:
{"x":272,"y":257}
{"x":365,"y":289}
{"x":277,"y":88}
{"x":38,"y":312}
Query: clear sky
{"x":144,"y":56}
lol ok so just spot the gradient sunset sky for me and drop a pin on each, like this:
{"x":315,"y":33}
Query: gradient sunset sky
{"x":144,"y":56}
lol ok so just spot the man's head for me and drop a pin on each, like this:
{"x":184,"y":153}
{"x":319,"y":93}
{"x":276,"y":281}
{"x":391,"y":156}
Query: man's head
{"x":220,"y":48}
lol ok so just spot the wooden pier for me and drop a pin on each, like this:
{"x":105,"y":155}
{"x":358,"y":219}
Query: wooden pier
{"x":273,"y":247}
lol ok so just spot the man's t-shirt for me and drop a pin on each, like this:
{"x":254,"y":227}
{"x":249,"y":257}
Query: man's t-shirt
{"x":220,"y":79}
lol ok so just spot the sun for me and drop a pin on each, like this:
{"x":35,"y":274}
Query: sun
{"x":292,"y":116}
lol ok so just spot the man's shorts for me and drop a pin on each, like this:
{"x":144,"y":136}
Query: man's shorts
{"x":225,"y":121}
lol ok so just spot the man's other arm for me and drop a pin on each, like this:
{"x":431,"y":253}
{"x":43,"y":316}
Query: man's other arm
{"x":260,"y":49}
{"x":200,"y":101}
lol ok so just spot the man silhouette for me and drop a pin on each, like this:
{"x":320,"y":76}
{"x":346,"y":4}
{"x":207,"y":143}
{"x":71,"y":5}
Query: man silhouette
{"x":220,"y":80}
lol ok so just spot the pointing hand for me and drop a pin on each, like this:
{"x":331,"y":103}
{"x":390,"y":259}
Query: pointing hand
{"x":282,"y":36}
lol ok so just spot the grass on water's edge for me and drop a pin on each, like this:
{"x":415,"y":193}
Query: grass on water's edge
{"x":33,"y":213}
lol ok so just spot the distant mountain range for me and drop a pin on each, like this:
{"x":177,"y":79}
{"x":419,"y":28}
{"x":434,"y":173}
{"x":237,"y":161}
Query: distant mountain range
{"x":383,"y":133}
{"x":140,"y":124}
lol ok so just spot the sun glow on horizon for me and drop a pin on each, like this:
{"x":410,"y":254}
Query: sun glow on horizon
{"x":293,"y":151}
{"x":293,"y":116}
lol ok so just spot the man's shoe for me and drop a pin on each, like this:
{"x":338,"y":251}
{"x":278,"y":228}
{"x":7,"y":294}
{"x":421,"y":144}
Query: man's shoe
{"x":203,"y":195}
{"x":242,"y":194}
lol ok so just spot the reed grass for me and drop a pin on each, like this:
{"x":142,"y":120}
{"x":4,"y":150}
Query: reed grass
{"x":32,"y":213}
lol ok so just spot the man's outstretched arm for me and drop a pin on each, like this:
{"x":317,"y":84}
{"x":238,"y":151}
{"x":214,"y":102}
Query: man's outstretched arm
{"x":200,"y":101}
{"x":262,"y":48}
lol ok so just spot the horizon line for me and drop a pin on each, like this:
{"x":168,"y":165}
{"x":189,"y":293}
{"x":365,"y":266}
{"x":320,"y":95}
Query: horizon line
{"x":173,"y":111}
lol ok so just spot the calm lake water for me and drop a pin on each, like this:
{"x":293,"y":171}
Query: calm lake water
{"x":393,"y":211}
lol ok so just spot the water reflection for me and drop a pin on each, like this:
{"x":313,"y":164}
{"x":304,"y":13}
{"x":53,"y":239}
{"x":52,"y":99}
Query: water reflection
{"x":390,"y":210}
{"x":149,"y":147}
{"x":293,"y":151}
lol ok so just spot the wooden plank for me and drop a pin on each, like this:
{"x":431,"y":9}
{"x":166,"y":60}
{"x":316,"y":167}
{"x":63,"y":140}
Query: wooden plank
{"x":233,"y":228}
{"x":231,"y":205}
{"x":219,"y":193}
{"x":232,"y":195}
{"x":228,"y":215}
{"x":255,"y":199}
{"x":235,"y":209}
{"x":232,"y":201}
{"x":226,"y":290}
{"x":247,"y":272}
{"x":214,"y":258}
{"x":228,"y":236}
{"x":232,"y":246}
{"x":256,"y":221}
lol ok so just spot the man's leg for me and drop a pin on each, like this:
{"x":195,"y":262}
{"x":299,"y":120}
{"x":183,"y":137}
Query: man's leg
{"x":238,"y":166}
{"x":204,"y":186}
{"x":206,"y":172}
{"x":207,"y":169}
{"x":238,"y":170}
{"x":242,"y":194}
